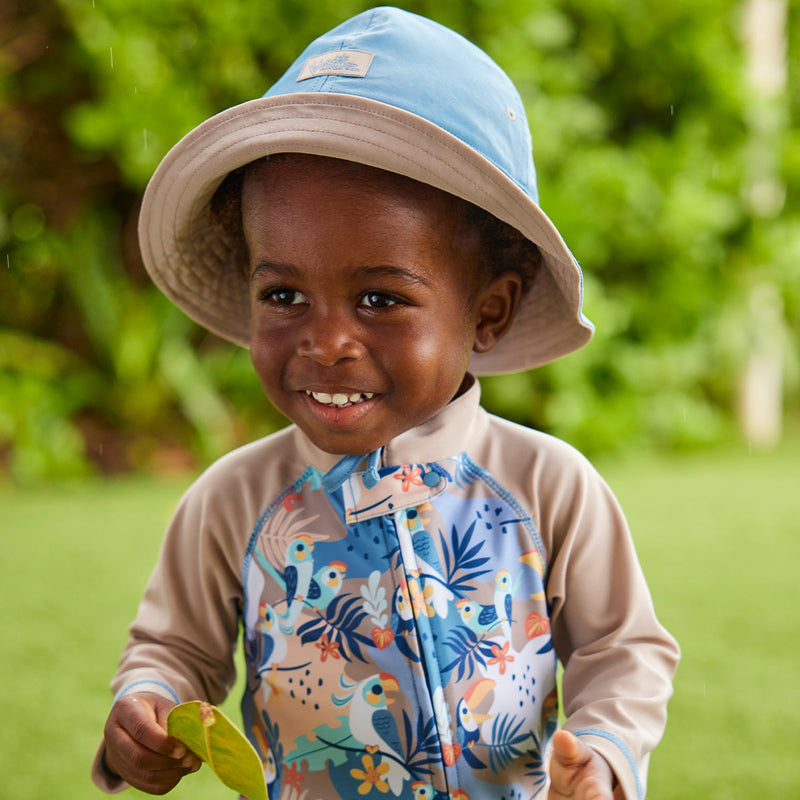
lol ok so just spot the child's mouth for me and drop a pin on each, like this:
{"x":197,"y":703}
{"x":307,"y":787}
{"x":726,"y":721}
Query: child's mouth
{"x":340,"y":399}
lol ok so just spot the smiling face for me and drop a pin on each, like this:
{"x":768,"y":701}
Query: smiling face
{"x":364,"y":303}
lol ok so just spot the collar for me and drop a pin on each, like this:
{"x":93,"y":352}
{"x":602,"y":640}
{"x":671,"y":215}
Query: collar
{"x":443,"y":435}
{"x":418,"y":451}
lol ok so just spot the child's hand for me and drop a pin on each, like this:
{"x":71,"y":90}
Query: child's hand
{"x":577,"y":772}
{"x":138,"y":748}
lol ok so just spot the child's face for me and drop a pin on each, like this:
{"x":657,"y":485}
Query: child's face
{"x":364,"y":312}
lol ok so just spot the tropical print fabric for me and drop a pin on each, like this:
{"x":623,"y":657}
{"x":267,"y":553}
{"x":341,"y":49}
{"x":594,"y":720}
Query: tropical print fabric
{"x":397,"y":637}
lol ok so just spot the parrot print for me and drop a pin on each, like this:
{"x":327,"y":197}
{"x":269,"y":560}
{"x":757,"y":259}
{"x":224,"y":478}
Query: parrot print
{"x":297,"y":575}
{"x":326,"y":584}
{"x":373,"y":725}
{"x":402,"y":643}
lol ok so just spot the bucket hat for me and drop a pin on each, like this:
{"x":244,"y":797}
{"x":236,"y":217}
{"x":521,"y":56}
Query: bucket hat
{"x":391,"y":90}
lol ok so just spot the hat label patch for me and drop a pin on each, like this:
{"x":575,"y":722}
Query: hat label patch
{"x":346,"y":63}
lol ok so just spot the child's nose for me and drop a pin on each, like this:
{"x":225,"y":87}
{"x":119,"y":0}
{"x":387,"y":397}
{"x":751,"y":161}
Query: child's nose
{"x":330,"y":337}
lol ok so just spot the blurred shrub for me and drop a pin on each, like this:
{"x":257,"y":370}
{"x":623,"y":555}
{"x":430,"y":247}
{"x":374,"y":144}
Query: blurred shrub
{"x":644,"y":137}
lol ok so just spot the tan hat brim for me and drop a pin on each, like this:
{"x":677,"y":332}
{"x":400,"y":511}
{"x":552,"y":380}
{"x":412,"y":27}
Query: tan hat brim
{"x":190,"y":259}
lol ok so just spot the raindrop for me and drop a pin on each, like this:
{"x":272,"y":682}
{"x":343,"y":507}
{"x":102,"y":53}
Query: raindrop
{"x":111,"y":52}
{"x":672,"y":111}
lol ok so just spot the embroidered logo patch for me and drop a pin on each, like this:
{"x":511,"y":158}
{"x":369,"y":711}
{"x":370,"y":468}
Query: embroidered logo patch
{"x":346,"y":63}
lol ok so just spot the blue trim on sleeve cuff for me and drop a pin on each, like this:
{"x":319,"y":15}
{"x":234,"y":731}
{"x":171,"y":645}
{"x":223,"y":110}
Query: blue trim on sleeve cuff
{"x":150,"y":683}
{"x":627,"y":753}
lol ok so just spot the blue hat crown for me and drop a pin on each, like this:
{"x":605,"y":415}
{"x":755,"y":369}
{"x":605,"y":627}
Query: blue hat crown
{"x":407,"y":61}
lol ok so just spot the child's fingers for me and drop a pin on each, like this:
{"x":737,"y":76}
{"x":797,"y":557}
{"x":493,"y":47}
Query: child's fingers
{"x":141,"y":717}
{"x":156,"y":779}
{"x":138,"y":748}
{"x":568,"y":751}
{"x":576,"y":771}
{"x":143,"y":769}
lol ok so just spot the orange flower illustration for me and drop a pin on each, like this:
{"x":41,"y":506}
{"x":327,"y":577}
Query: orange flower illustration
{"x":291,"y":776}
{"x":420,"y":599}
{"x":327,"y":647}
{"x":500,"y":657}
{"x":410,"y":477}
{"x":371,"y":776}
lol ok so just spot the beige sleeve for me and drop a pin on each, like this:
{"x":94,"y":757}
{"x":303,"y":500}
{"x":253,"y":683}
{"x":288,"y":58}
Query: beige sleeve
{"x":619,"y":661}
{"x":182,"y":642}
{"x":184,"y":635}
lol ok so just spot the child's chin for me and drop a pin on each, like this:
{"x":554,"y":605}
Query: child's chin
{"x":349,"y":430}
{"x":343,"y":445}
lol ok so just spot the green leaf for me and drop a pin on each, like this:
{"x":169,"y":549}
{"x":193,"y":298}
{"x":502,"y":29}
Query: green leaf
{"x":212,"y":737}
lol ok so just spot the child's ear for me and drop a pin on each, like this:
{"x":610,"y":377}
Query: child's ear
{"x":496,"y":306}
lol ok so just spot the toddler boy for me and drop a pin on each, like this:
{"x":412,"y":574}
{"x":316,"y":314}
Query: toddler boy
{"x":405,"y":568}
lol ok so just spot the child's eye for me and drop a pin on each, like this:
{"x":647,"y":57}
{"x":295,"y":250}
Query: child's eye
{"x":377,"y":300}
{"x":283,"y":297}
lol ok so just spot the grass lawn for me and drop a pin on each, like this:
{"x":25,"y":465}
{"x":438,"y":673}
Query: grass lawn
{"x":719,"y":538}
{"x":718,"y":535}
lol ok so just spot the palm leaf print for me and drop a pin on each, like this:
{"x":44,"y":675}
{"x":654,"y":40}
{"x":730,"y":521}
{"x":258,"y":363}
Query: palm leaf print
{"x":506,"y":742}
{"x":340,"y":620}
{"x":470,"y":650}
{"x":463,"y":557}
{"x":426,"y":753}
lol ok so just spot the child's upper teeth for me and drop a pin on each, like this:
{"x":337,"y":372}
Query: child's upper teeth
{"x":340,"y":398}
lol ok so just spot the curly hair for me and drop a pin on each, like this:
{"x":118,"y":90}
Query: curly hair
{"x":501,"y":247}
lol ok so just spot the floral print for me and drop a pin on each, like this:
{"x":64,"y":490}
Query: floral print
{"x":409,"y":476}
{"x":501,"y":657}
{"x":397,"y":638}
{"x":371,"y":776}
{"x":327,"y":647}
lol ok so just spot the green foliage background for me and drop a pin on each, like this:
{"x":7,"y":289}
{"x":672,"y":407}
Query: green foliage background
{"x":647,"y":140}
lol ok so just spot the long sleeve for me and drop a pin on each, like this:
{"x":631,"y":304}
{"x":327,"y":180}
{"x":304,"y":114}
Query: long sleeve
{"x":619,"y":660}
{"x":185,"y":631}
{"x":182,"y":641}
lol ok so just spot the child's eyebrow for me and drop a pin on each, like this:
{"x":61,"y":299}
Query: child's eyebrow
{"x":274,"y":269}
{"x":401,"y":273}
{"x":288,"y":271}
